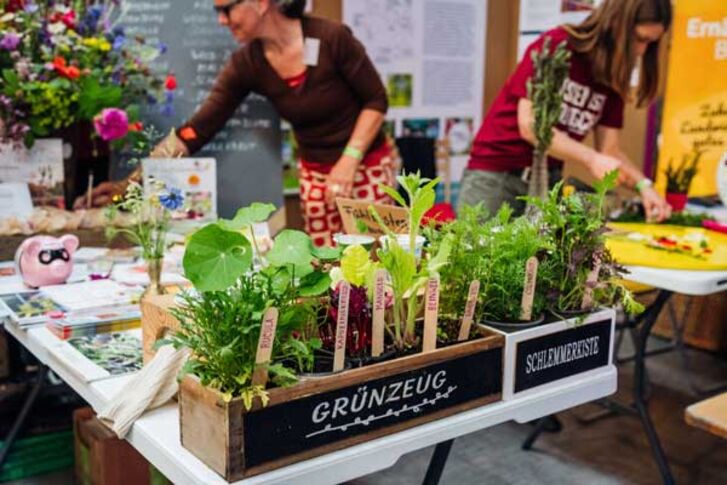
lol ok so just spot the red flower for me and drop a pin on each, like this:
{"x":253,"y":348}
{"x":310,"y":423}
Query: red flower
{"x":15,"y":5}
{"x":73,"y":72}
{"x":171,"y":82}
{"x":69,"y":19}
{"x":62,"y":68}
{"x":665,"y":241}
{"x":138,"y":126}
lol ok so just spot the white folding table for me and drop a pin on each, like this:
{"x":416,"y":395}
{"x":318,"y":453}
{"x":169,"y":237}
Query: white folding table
{"x":156,"y":434}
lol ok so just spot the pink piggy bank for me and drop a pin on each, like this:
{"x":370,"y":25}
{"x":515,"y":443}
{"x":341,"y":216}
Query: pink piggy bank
{"x":45,"y":260}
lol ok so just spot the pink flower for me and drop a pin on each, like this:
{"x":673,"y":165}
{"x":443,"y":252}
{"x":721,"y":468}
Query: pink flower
{"x":112,"y":124}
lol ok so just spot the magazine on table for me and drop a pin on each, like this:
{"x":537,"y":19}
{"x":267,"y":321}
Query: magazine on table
{"x":100,"y":356}
{"x":29,"y":307}
{"x":102,"y":320}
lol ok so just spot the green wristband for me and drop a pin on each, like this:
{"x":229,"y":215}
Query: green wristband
{"x":353,"y":152}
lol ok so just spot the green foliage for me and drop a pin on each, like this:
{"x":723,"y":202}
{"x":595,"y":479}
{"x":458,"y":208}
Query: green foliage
{"x":408,"y":276}
{"x":215,"y":258}
{"x":222,"y":329}
{"x":94,"y":97}
{"x":494,"y":252}
{"x":576,"y":226}
{"x":679,"y":177}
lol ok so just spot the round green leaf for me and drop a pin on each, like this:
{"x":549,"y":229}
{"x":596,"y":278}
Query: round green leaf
{"x":246,"y":216}
{"x":325,"y":253}
{"x":291,"y":247}
{"x":216,"y":258}
{"x":314,"y":284}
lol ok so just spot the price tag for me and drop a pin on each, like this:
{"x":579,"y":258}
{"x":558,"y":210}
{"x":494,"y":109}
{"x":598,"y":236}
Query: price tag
{"x":469,"y":311}
{"x":344,"y":294}
{"x":377,"y":334}
{"x":431,"y":310}
{"x":265,"y":347}
{"x":311,"y":51}
{"x":531,"y":276}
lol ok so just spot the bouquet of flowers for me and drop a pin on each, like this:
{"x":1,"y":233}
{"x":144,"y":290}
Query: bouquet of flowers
{"x":63,"y":62}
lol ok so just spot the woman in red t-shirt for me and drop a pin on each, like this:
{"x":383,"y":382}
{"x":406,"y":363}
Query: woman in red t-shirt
{"x":605,"y":49}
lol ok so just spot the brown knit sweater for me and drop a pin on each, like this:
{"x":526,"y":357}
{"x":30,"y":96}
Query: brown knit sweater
{"x":323,"y":112}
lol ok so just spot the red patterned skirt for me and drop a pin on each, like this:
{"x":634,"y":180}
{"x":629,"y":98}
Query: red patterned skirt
{"x":322,"y":220}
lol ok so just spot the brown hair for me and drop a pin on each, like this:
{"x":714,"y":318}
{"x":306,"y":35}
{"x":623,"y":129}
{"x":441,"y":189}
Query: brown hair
{"x":607,"y":37}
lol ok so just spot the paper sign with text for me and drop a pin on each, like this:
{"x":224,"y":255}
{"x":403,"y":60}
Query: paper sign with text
{"x":357,"y":211}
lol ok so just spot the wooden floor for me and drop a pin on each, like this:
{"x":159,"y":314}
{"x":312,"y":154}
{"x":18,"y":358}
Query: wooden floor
{"x":612,"y":450}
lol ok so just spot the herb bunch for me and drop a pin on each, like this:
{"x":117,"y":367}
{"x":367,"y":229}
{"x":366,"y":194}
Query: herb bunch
{"x":679,"y":177}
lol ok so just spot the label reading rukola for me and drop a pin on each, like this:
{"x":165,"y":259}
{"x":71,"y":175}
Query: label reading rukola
{"x":562,"y":354}
{"x":309,"y":422}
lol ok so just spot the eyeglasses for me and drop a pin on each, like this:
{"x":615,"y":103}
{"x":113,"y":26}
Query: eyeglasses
{"x":47,"y":256}
{"x":226,"y":8}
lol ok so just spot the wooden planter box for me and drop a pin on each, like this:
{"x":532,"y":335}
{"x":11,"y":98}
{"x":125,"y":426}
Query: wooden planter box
{"x":321,"y":415}
{"x":555,"y":352}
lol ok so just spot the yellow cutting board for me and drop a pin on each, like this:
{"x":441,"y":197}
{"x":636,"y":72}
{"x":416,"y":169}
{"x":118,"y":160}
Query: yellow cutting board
{"x":638,"y":253}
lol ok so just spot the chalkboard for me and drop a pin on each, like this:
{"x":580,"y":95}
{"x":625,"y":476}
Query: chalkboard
{"x":248,"y":150}
{"x":310,"y":422}
{"x":562,"y":354}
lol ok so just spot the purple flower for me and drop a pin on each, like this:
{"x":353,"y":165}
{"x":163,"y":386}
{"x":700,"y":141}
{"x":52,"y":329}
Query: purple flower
{"x":31,"y":7}
{"x":172,"y":200}
{"x":112,"y":124}
{"x":166,"y":109}
{"x":10,"y":41}
{"x":119,"y":42}
{"x":163,"y":48}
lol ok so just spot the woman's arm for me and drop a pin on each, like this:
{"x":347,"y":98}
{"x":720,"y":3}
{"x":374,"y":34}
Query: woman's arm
{"x":608,"y":141}
{"x":564,"y":147}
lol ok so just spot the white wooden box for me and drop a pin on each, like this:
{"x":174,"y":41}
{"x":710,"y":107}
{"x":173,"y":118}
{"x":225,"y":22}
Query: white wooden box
{"x":557,"y":352}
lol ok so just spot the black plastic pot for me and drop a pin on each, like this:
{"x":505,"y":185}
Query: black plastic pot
{"x":514,"y":326}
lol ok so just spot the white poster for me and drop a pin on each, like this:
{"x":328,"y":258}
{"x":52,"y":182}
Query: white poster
{"x":431,"y":57}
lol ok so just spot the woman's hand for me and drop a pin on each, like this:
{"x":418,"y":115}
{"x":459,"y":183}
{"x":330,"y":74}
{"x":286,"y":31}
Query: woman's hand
{"x":339,"y":182}
{"x":102,"y":195}
{"x":170,"y":147}
{"x":656,"y":208}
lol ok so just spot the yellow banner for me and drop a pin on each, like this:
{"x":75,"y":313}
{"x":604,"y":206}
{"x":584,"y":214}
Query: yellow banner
{"x":695,"y":109}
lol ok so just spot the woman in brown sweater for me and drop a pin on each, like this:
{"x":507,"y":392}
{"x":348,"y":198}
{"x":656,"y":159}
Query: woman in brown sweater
{"x":319,"y":78}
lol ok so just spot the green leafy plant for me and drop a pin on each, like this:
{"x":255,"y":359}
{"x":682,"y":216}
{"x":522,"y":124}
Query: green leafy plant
{"x":408,"y":276}
{"x":495,"y":253}
{"x":220,"y":324}
{"x":679,"y":177}
{"x":576,"y":226}
{"x":545,"y":93}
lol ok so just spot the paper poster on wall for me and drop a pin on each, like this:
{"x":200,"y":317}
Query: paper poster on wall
{"x":695,"y":102}
{"x":41,"y":167}
{"x":431,"y":58}
{"x":196,"y":178}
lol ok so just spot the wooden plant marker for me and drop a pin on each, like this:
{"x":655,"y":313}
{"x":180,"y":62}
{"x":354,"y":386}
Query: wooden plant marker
{"x":377,"y":330}
{"x":531,"y":276}
{"x":469,"y":311}
{"x":431,"y":309}
{"x":344,"y":294}
{"x":265,"y":347}
{"x":590,"y":283}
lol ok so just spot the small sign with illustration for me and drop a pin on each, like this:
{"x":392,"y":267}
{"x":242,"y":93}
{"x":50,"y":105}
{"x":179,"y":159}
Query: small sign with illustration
{"x":357,"y":219}
{"x":41,"y":167}
{"x":196,"y":178}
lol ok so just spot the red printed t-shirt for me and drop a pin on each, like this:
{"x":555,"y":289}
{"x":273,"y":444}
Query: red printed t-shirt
{"x":498,"y":145}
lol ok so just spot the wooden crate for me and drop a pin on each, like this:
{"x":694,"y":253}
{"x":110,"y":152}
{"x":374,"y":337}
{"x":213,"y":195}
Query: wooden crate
{"x":556,"y":352}
{"x":322,"y":415}
{"x":705,"y":325}
{"x":156,"y":321}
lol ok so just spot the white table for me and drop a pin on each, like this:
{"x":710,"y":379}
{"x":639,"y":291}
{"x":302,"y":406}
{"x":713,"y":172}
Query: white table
{"x":156,"y":434}
{"x":668,"y":281}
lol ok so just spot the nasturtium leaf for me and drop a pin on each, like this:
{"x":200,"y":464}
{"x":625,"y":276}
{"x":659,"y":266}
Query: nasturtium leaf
{"x":215,"y":258}
{"x":355,"y":265}
{"x":314,"y":284}
{"x":246,"y":216}
{"x":291,"y":248}
{"x":326,"y":253}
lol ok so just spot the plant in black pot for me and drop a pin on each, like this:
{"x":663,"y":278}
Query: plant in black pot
{"x":583,"y":274}
{"x":679,"y":179}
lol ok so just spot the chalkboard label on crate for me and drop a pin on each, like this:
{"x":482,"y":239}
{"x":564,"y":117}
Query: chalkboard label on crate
{"x":303,"y":424}
{"x":563,"y":354}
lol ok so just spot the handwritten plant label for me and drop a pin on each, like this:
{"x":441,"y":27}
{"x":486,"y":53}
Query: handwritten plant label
{"x":265,"y":347}
{"x":591,"y":281}
{"x":339,"y":354}
{"x":377,"y":331}
{"x":469,"y":311}
{"x":531,"y":276}
{"x":431,"y":310}
{"x":317,"y":420}
{"x":396,"y":218}
{"x":562,"y":354}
